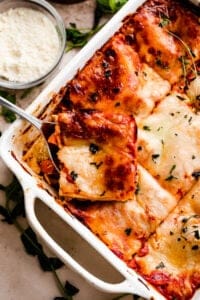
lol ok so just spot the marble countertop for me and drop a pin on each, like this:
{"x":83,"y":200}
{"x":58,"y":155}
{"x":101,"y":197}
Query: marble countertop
{"x":20,"y":275}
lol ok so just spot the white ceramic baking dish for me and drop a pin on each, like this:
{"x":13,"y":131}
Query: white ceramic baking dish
{"x":11,"y":147}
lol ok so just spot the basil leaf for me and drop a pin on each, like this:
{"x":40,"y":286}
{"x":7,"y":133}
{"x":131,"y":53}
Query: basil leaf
{"x":4,"y":213}
{"x":8,"y":115}
{"x":29,"y":240}
{"x":49,"y":263}
{"x":70,"y":289}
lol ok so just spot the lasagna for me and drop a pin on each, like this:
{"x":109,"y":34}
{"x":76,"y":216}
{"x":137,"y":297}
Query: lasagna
{"x":128,"y":145}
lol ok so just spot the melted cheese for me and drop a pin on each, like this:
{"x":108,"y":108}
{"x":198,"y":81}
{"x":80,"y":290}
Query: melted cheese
{"x":116,"y":80}
{"x":97,"y":155}
{"x":174,"y":250}
{"x":124,"y":227}
{"x":170,"y":145}
{"x":163,"y":39}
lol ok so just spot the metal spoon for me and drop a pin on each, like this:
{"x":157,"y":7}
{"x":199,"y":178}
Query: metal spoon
{"x":46,"y":128}
{"x":195,"y":2}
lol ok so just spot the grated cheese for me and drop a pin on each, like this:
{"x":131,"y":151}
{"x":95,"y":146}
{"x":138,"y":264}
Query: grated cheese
{"x":29,"y":44}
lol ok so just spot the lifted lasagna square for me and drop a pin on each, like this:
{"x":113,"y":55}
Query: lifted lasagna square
{"x":96,"y":155}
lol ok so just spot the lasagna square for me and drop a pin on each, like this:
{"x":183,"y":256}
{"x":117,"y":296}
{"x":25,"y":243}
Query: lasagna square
{"x":172,"y":260}
{"x":96,"y":155}
{"x":169,"y":146}
{"x":126,"y":226}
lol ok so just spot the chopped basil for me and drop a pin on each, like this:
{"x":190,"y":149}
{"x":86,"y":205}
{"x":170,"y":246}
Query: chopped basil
{"x":161,"y":64}
{"x":94,"y":148}
{"x":197,"y":234}
{"x":128,"y":231}
{"x":73,"y":175}
{"x":160,"y":265}
{"x":155,"y":156}
{"x":196,"y":174}
{"x":162,"y":142}
{"x":164,"y":20}
{"x":97,"y":165}
{"x":137,"y":189}
{"x":180,"y":97}
{"x":184,"y":220}
{"x":184,"y":229}
{"x":147,"y":128}
{"x":102,"y":194}
{"x":195,"y":247}
{"x":172,"y":169}
{"x":190,"y":120}
{"x":171,"y":176}
{"x":107,"y":74}
{"x":93,"y":97}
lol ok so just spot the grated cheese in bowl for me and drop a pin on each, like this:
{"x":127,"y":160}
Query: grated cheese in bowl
{"x":30,"y":48}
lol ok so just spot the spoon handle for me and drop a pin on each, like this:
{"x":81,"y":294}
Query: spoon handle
{"x":195,"y":2}
{"x":20,"y":112}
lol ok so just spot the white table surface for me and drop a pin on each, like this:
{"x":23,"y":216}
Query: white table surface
{"x":20,"y":275}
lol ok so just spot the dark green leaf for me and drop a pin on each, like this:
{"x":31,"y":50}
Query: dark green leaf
{"x":18,"y":210}
{"x":109,"y":6}
{"x":5,"y":214}
{"x":8,"y":115}
{"x":31,"y":245}
{"x":14,"y":191}
{"x":2,"y":187}
{"x":73,"y":175}
{"x":49,"y":263}
{"x":106,"y":7}
{"x":196,"y":174}
{"x":93,"y":148}
{"x":26,"y":93}
{"x":70,"y":289}
{"x":128,"y":231}
{"x":15,"y":196}
{"x":77,"y":38}
{"x":164,"y":20}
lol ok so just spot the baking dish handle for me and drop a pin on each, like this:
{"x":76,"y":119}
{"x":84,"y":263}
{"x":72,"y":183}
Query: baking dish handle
{"x":126,"y":286}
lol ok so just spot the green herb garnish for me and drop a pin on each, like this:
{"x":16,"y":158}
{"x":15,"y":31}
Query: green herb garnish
{"x":154,"y":157}
{"x":171,"y":176}
{"x":106,"y":7}
{"x":94,"y":148}
{"x":73,"y":175}
{"x":8,"y":115}
{"x":147,"y":128}
{"x":182,"y":58}
{"x":164,"y":20}
{"x":160,"y":265}
{"x":97,"y":165}
{"x":14,"y":208}
{"x":77,"y":38}
{"x":128,"y":231}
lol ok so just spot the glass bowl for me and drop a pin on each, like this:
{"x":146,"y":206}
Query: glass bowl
{"x":49,"y":11}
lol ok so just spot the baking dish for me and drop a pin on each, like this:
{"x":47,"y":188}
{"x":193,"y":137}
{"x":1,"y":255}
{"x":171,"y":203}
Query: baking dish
{"x":11,"y":152}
